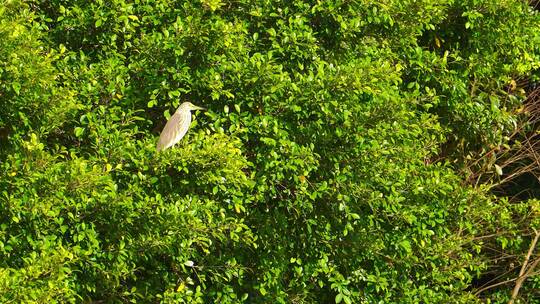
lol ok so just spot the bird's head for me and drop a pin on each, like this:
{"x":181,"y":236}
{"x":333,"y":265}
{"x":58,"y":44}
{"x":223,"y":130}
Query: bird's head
{"x":189,"y":106}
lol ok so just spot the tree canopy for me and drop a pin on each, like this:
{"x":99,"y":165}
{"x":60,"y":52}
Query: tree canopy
{"x":353,"y":151}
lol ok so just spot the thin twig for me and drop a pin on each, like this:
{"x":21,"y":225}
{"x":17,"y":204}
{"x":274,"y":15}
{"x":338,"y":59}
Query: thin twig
{"x":494,"y":285}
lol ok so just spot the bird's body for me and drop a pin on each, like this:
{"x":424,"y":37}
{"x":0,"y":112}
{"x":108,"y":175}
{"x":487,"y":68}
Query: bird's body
{"x":177,"y":126}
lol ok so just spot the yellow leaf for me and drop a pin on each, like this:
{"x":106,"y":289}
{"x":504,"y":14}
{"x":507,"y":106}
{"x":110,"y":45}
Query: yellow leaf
{"x":181,"y":287}
{"x":513,"y":85}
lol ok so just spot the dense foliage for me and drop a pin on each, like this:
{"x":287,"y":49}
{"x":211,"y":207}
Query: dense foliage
{"x":333,"y":164}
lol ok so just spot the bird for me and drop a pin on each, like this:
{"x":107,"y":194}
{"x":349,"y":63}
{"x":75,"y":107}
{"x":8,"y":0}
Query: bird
{"x":177,"y":126}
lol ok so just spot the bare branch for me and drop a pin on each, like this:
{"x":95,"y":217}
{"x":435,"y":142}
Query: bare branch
{"x":523,"y":273}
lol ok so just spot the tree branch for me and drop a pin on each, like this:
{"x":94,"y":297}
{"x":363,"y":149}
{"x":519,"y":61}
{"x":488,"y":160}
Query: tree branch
{"x":524,"y":273}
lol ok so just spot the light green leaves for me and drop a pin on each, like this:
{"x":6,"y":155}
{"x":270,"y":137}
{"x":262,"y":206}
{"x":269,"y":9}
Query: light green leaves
{"x":16,"y":87}
{"x":78,"y":131}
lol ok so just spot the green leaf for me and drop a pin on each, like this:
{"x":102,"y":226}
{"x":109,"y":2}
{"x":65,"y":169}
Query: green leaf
{"x":16,"y":87}
{"x":405,"y":244}
{"x":79,"y":131}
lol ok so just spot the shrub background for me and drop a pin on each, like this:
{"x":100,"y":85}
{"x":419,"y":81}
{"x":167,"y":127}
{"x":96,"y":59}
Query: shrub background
{"x":330,"y":167}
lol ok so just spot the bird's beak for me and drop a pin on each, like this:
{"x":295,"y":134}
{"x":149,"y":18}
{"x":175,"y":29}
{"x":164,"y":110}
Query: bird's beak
{"x":199,"y":108}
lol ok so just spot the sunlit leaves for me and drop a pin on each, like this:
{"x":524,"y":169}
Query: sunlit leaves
{"x":319,"y":173}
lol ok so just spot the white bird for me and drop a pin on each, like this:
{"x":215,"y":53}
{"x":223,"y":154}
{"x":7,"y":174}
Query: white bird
{"x":177,"y":126}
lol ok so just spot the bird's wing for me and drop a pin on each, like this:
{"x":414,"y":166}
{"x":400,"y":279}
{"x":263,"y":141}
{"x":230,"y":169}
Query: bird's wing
{"x":173,"y":131}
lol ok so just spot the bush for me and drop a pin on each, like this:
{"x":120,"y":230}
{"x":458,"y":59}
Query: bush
{"x":327,"y":168}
